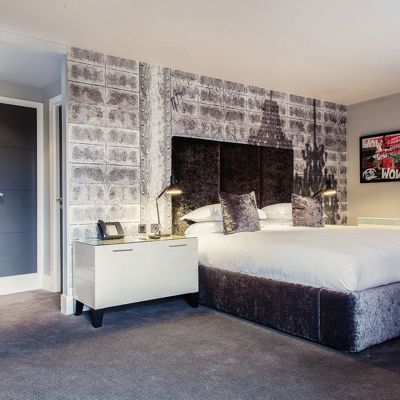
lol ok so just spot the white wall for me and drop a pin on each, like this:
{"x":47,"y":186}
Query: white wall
{"x":370,"y":199}
{"x":21,"y":92}
{"x":52,"y":90}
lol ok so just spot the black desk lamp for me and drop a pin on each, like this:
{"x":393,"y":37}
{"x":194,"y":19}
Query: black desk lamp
{"x":173,"y":190}
{"x":327,"y":190}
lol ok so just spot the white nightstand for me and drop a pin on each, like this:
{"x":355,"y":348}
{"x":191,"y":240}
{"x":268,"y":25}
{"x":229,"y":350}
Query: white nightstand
{"x":108,"y":273}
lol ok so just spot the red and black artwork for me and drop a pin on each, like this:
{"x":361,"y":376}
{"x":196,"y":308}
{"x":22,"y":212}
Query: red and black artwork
{"x":380,"y":157}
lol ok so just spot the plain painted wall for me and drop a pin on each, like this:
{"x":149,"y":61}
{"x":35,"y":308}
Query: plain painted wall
{"x":21,"y":92}
{"x":49,"y":91}
{"x":370,"y":199}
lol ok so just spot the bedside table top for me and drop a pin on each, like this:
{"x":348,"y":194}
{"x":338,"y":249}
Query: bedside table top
{"x":135,"y":239}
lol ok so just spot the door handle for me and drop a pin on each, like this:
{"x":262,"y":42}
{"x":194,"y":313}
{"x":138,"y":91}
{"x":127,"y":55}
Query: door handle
{"x":1,"y":194}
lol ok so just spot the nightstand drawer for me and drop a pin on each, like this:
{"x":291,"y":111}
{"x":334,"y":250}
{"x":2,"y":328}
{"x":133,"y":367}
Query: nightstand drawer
{"x":142,"y":264}
{"x":145,"y":247}
{"x":148,"y":256}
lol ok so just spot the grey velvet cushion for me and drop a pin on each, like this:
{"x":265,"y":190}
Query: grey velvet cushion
{"x":239,"y":212}
{"x":307,"y":211}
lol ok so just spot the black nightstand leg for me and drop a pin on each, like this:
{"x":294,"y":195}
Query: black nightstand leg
{"x":97,"y":318}
{"x":192,"y":299}
{"x":78,"y":307}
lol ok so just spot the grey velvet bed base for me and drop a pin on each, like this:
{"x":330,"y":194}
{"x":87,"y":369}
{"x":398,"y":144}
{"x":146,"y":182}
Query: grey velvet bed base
{"x":349,"y":322}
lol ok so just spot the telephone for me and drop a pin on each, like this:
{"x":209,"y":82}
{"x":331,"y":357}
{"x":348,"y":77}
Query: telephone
{"x":110,"y":230}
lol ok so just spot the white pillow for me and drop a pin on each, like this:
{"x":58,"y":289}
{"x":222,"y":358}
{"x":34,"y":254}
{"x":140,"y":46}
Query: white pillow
{"x":279,"y":211}
{"x":212,"y":212}
{"x":276,"y":222}
{"x":205,"y":227}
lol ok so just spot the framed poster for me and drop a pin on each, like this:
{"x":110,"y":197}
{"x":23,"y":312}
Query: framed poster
{"x":380,"y":157}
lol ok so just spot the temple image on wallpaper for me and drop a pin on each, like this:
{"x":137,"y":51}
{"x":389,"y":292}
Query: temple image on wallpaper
{"x":315,"y":176}
{"x":270,"y":132}
{"x":380,"y":158}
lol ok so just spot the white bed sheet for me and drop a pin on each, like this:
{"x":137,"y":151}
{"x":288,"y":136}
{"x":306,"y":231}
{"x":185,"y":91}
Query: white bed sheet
{"x":341,"y":258}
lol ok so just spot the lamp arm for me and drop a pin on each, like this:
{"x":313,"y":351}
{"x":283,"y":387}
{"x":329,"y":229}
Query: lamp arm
{"x":158,"y":214}
{"x":162,"y":193}
{"x":174,"y":190}
{"x":158,"y":209}
{"x":319,"y":192}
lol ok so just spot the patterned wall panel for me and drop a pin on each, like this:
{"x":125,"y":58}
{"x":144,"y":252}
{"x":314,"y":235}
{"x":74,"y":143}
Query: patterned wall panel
{"x":122,"y":114}
{"x":155,"y":134}
{"x":103,"y":137}
{"x":221,"y":110}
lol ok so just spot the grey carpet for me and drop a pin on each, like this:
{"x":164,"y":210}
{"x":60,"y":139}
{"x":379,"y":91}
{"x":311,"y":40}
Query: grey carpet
{"x":167,"y":350}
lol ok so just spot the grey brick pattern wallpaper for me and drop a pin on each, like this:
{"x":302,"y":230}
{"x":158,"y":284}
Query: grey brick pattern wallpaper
{"x":122,"y":114}
{"x":225,"y":111}
{"x":103,"y":142}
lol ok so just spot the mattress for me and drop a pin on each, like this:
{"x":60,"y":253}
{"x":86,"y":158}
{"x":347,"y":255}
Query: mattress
{"x":341,"y":258}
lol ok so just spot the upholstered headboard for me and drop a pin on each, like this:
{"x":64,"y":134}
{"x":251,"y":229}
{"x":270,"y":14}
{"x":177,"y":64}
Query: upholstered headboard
{"x":204,"y":167}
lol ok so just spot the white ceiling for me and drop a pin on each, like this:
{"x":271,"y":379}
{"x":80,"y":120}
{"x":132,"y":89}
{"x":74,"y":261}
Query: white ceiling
{"x":28,"y":67}
{"x":344,"y":50}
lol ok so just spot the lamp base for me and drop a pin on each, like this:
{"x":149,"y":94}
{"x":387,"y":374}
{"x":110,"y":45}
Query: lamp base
{"x":159,"y":235}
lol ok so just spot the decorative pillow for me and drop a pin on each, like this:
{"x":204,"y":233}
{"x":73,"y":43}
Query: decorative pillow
{"x":280,"y":211}
{"x":239,"y":212}
{"x":307,"y":211}
{"x":212,"y":212}
{"x":205,"y":227}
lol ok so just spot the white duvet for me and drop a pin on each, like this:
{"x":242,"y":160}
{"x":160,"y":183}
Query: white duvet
{"x":338,"y":258}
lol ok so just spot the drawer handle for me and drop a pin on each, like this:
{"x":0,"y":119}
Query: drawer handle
{"x":121,"y":250}
{"x":177,"y":245}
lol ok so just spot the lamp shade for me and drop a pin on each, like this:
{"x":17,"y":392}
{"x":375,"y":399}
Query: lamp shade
{"x":173,"y":189}
{"x":329,"y":190}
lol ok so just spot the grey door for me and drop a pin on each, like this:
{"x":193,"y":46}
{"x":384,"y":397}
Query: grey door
{"x":17,"y":190}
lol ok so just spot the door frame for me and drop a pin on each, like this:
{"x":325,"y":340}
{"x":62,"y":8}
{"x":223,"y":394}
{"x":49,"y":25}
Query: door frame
{"x":55,"y":144}
{"x":21,"y":283}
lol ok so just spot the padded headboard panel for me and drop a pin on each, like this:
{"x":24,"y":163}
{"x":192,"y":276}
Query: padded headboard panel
{"x":203,"y":168}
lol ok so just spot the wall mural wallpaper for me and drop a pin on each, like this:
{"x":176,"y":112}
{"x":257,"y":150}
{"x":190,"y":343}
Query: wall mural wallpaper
{"x":122,"y":114}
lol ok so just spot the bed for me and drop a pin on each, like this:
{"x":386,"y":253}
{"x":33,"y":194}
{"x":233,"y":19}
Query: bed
{"x":338,"y":286}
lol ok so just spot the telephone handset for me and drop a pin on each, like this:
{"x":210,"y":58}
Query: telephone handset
{"x":110,"y":230}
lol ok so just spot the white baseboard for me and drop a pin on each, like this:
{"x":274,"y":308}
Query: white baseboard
{"x":67,"y":304}
{"x":48,"y":284}
{"x":19,"y":283}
